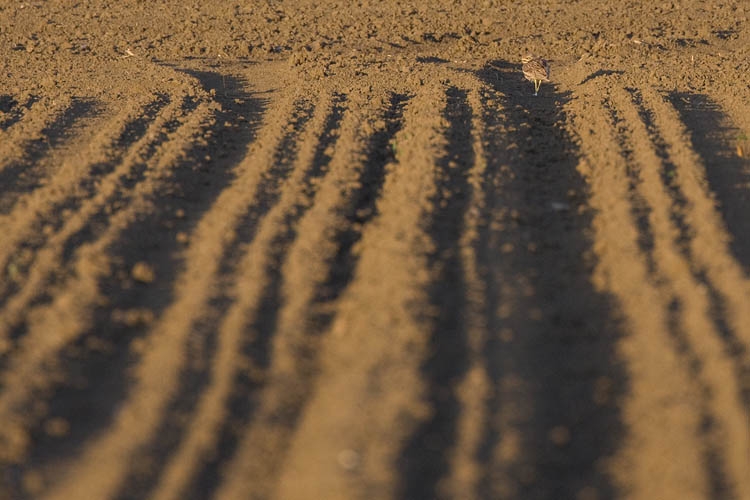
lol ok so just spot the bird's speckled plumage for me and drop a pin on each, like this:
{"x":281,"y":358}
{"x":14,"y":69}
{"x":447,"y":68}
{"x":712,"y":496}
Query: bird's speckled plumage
{"x":536,"y":70}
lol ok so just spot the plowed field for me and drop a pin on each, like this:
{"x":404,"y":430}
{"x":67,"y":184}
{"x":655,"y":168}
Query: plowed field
{"x":331,"y":250}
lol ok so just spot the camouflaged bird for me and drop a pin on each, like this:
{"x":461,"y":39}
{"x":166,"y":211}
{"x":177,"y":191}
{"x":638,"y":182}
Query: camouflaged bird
{"x":536,"y":70}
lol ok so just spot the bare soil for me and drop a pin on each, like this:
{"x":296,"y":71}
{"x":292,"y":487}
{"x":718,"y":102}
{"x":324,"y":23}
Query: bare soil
{"x":339,"y":250}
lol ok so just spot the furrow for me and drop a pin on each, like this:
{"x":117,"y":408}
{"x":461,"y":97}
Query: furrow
{"x":29,"y":168}
{"x":104,"y":463}
{"x":424,"y":459}
{"x":724,"y":286}
{"x":43,"y":210}
{"x":20,"y":138}
{"x":55,"y":325}
{"x":13,"y":110}
{"x":282,"y":176}
{"x":690,"y":317}
{"x":714,"y":135}
{"x":472,"y":389}
{"x":285,"y":322}
{"x":213,"y":415}
{"x":54,"y":254}
{"x":661,"y":456}
{"x":552,"y":335}
{"x":367,"y":393}
{"x":96,"y":369}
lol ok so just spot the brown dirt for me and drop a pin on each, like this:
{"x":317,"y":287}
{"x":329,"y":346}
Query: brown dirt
{"x":336,"y":250}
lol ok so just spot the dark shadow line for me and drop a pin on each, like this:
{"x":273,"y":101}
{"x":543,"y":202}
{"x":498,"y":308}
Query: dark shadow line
{"x":260,"y":334}
{"x":194,"y":379}
{"x":361,"y":207}
{"x":728,"y":175}
{"x":601,"y":72}
{"x":56,"y":219}
{"x":425,"y":457}
{"x":639,"y":208}
{"x":95,"y":379}
{"x":14,"y":110}
{"x":287,"y":412}
{"x":24,"y":174}
{"x":560,"y":338}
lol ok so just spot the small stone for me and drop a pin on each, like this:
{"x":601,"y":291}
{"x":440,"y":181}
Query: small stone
{"x":602,"y":390}
{"x":33,"y":482}
{"x":143,"y":272}
{"x":559,"y":435}
{"x":57,"y":427}
{"x":133,"y":317}
{"x":588,"y":493}
{"x":506,"y":335}
{"x":349,"y":460}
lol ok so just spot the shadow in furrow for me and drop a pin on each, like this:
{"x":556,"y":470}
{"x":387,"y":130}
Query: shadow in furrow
{"x":295,"y":389}
{"x":734,"y":347}
{"x":125,"y":183}
{"x":24,"y":174}
{"x":551,"y":351}
{"x":714,"y":464}
{"x":728,"y":175}
{"x":195,"y":375}
{"x":245,"y":389}
{"x":639,"y":207}
{"x":58,"y":214}
{"x":12,"y":111}
{"x":94,"y":369}
{"x":132,"y":132}
{"x":424,"y":459}
{"x":361,"y":209}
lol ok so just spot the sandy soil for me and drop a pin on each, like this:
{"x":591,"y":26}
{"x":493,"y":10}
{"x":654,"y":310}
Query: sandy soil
{"x":338,"y":250}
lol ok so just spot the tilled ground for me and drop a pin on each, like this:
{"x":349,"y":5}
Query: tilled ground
{"x":334,"y":251}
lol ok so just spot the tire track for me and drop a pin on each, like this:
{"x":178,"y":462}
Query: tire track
{"x":68,"y":313}
{"x":705,"y":244}
{"x":709,"y":131}
{"x":670,"y":237}
{"x":660,"y":437}
{"x":347,"y":194}
{"x":725,"y":286}
{"x":318,"y":434}
{"x":225,"y":404}
{"x":103,"y":463}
